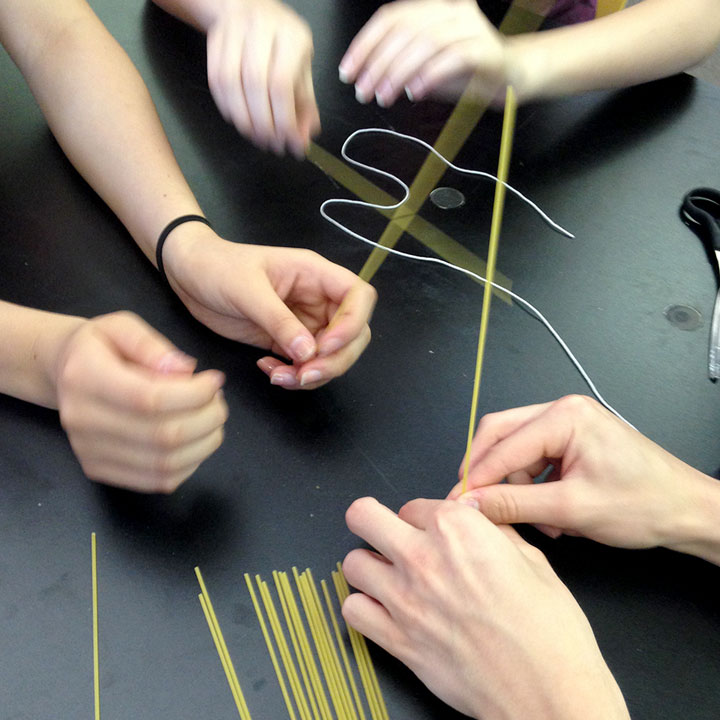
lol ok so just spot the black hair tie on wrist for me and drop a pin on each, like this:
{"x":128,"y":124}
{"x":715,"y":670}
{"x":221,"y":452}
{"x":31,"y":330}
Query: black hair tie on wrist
{"x":164,"y":234}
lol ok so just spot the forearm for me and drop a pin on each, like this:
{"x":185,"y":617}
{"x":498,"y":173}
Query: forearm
{"x":100,"y":111}
{"x":201,"y":14}
{"x":653,"y":39}
{"x":31,"y":341}
{"x":696,"y":530}
{"x":198,"y":13}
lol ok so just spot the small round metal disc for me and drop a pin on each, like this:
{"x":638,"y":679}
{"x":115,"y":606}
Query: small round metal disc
{"x":447,"y":198}
{"x":683,"y":317}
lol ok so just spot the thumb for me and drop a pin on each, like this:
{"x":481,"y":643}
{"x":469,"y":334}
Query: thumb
{"x":276,"y":319}
{"x":139,"y":343}
{"x":507,"y":504}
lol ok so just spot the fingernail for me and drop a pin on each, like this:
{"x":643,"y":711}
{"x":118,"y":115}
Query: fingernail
{"x":330,"y":346}
{"x":266,"y":365}
{"x":299,"y":151}
{"x":302,"y":348}
{"x":470,"y":501}
{"x":359,"y":96}
{"x":343,"y":74}
{"x":310,"y":377}
{"x":379,"y":100}
{"x":176,"y":361}
{"x":282,"y":379}
{"x":409,"y":94}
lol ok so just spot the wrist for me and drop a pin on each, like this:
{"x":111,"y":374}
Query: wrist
{"x":184,"y":250}
{"x":695,"y":529}
{"x":49,"y":351}
{"x":525,"y":68}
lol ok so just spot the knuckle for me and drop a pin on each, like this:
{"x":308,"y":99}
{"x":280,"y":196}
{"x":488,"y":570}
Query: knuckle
{"x":95,"y":472}
{"x":252,"y":76}
{"x":500,"y":507}
{"x":146,"y":400}
{"x":169,"y":435}
{"x":71,"y":418}
{"x":535,"y":555}
{"x":579,"y":405}
{"x":218,"y":438}
{"x":163,"y":468}
{"x":169,"y":484}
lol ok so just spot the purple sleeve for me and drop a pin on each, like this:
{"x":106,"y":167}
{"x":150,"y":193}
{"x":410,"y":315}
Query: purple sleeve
{"x":567,"y":12}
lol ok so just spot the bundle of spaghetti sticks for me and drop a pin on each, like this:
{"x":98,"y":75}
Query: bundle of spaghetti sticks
{"x":308,"y":649}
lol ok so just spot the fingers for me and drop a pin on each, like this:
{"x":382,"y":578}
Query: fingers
{"x":365,"y":41}
{"x":420,"y":46}
{"x":138,"y":342}
{"x":371,"y":619}
{"x":493,"y":428}
{"x":418,"y":512}
{"x":379,"y":526}
{"x":259,"y":73}
{"x":544,"y":503}
{"x":320,"y":285}
{"x":318,"y":371}
{"x":225,"y":51}
{"x":129,"y":425}
{"x":357,"y":302}
{"x":254,"y":72}
{"x":269,"y":311}
{"x":369,"y":572}
{"x":292,"y":97}
{"x":150,"y":470}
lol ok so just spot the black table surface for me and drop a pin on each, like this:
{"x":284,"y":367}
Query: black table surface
{"x":612,"y":167}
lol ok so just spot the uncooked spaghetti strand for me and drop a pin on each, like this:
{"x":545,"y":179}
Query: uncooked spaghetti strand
{"x":320,"y":647}
{"x":333,"y":656}
{"x":308,"y":656}
{"x":285,"y":656}
{"x":95,"y":623}
{"x":343,"y":591}
{"x":270,"y":648}
{"x":343,"y":651}
{"x":222,"y":648}
{"x":498,"y":204}
{"x":294,"y":640}
{"x":239,"y":702}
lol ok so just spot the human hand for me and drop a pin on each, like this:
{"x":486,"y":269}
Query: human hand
{"x":259,"y":55}
{"x":425,"y":46}
{"x":608,"y":483}
{"x":291,"y":301}
{"x":134,"y":412}
{"x":476,"y":613}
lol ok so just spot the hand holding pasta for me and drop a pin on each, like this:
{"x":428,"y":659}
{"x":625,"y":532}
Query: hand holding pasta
{"x":476,"y":613}
{"x":282,"y":299}
{"x":608,"y":482}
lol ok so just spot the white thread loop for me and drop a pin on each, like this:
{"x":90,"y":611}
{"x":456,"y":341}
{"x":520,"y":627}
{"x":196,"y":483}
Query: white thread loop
{"x":529,"y":307}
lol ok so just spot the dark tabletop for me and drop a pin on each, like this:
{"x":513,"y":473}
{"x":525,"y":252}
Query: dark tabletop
{"x":612,"y":167}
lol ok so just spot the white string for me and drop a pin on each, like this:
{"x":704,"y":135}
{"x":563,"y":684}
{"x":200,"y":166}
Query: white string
{"x":423,"y":258}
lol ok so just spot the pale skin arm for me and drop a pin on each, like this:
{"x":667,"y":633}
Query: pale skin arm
{"x":476,"y":613}
{"x":101,"y":114}
{"x":259,"y":55}
{"x":136,"y":414}
{"x":609,"y":483}
{"x":436,"y":46}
